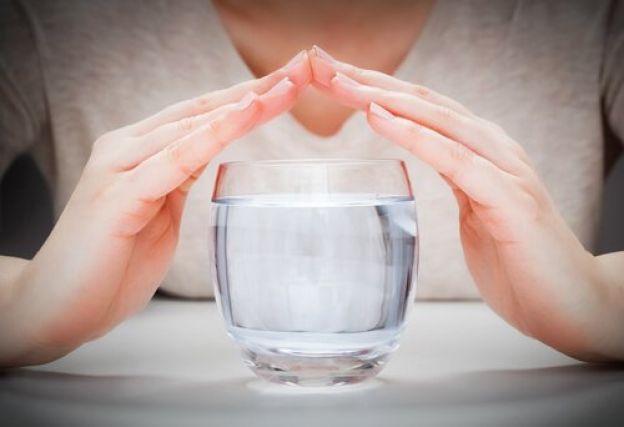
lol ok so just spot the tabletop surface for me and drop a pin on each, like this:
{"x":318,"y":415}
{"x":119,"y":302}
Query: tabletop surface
{"x":174,"y":365}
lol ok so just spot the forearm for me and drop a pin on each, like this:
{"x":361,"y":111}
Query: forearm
{"x":610,"y":333}
{"x":592,"y":304}
{"x":16,"y":346}
{"x":27,"y":302}
{"x":612,"y":269}
{"x":10,"y":270}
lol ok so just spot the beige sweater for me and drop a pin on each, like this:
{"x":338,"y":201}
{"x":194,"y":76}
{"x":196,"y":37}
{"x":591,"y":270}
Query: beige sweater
{"x":551,"y":73}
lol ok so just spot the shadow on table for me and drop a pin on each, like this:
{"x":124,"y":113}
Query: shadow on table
{"x":571,"y":395}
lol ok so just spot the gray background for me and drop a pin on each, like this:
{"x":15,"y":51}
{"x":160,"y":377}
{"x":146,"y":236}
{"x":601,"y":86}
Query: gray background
{"x":26,"y":210}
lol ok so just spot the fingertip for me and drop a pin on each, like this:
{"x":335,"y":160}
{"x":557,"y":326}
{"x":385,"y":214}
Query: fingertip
{"x":379,"y":118}
{"x":281,"y":88}
{"x":288,"y":85}
{"x":300,"y":74}
{"x":244,"y":119}
{"x":377,"y":111}
{"x":289,"y":90}
{"x":256,"y":108}
{"x":249,"y":98}
{"x":342,"y":80}
{"x":278,"y":99}
{"x":347,"y":93}
{"x":308,"y":67}
{"x":295,"y":59}
{"x":322,"y":54}
{"x":322,"y":71}
{"x":247,"y":111}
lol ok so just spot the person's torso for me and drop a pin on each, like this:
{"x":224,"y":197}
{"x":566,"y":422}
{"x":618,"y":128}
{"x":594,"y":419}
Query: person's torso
{"x":530,"y":66}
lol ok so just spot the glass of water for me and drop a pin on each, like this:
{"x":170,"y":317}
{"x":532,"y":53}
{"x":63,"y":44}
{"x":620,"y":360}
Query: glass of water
{"x":314,"y":265}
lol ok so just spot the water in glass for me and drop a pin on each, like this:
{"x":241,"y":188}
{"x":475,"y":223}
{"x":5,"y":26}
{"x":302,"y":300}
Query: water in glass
{"x":315,"y":287}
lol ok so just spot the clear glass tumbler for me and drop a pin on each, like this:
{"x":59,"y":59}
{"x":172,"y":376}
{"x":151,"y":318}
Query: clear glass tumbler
{"x":314,"y":265}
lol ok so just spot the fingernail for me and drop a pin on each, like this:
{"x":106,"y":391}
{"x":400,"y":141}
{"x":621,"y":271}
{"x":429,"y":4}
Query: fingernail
{"x":380,"y":112}
{"x":281,"y":88}
{"x":342,"y":79}
{"x":295,"y":60}
{"x":247,"y":100}
{"x":323,"y":54}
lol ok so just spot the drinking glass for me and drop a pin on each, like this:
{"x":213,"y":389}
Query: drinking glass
{"x":314,"y":265}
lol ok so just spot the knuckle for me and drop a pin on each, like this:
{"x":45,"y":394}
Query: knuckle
{"x":186,"y":124}
{"x":415,"y":133}
{"x":525,"y":183}
{"x":446,"y":114}
{"x":461,"y":154}
{"x":421,"y":91}
{"x":530,"y":183}
{"x":357,"y":72}
{"x":94,"y":166}
{"x":175,"y":156}
{"x":530,"y":198}
{"x":102,"y":142}
{"x":104,"y":151}
{"x":493,"y":128}
{"x":203,"y":102}
{"x":213,"y":133}
{"x":519,"y":151}
{"x":497,"y":133}
{"x":186,"y":185}
{"x":462,"y":159}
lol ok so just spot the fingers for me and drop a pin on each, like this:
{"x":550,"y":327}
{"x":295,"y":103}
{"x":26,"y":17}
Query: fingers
{"x":481,"y":180}
{"x":297,"y":70}
{"x":152,"y":142}
{"x":180,"y":160}
{"x":324,"y":68}
{"x":468,"y":130}
{"x":174,"y":165}
{"x":358,"y":87}
{"x":156,"y":140}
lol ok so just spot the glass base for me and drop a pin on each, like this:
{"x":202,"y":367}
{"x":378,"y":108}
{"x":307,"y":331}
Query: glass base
{"x":313,"y":370}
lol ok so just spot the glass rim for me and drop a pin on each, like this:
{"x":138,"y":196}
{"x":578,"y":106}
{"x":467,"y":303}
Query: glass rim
{"x":311,"y":162}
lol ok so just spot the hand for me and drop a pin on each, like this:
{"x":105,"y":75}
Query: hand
{"x":116,"y":237}
{"x":526,"y":262}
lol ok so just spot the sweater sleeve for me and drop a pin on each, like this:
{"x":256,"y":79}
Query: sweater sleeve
{"x":22,"y":96}
{"x":613,"y":72}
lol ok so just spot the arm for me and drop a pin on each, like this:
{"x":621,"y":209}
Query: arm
{"x":114,"y":241}
{"x":16,"y":346}
{"x":611,"y":268}
{"x":527,"y":263}
{"x":11,"y":269}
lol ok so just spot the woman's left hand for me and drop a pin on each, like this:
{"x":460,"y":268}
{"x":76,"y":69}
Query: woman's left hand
{"x":526,"y":262}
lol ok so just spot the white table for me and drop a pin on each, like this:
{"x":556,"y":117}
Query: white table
{"x":173,"y":365}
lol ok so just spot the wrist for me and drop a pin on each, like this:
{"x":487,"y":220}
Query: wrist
{"x":584,"y":321}
{"x":27,"y":316}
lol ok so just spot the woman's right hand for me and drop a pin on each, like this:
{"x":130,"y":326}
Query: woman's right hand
{"x":116,"y":237}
